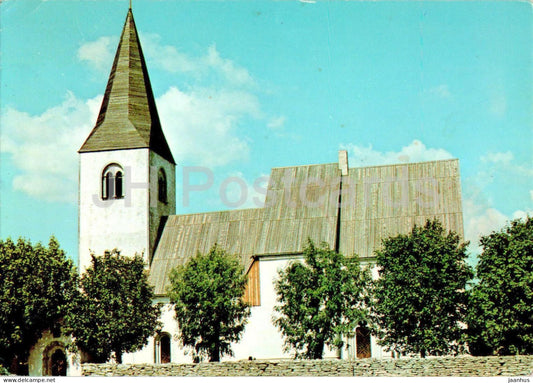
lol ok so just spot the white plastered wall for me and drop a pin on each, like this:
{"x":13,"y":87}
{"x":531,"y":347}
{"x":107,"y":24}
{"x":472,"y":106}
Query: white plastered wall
{"x":261,"y":338}
{"x":115,"y":223}
{"x":170,"y":326}
{"x":159,"y":209}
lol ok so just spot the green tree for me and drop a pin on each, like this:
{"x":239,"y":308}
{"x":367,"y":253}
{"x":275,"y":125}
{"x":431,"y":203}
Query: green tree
{"x":3,"y":370}
{"x":207,"y":293}
{"x":37,"y":285}
{"x":420,"y":297}
{"x":115,"y":311}
{"x":500,"y":317}
{"x":319,"y":300}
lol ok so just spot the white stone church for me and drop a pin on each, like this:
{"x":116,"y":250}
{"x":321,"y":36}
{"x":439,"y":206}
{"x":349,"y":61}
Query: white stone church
{"x":127,"y":200}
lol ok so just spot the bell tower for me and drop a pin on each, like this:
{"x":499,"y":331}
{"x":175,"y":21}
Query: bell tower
{"x":127,"y":171}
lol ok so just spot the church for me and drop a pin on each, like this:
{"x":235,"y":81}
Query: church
{"x":127,"y":200}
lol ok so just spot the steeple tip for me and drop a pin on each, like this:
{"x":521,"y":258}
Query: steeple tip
{"x":128,"y":117}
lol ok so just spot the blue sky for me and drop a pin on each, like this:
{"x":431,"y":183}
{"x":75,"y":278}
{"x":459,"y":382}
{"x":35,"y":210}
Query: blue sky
{"x":243,"y":86}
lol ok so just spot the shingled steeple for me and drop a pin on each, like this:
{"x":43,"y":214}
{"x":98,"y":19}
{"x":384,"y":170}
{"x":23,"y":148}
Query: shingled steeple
{"x":128,"y":117}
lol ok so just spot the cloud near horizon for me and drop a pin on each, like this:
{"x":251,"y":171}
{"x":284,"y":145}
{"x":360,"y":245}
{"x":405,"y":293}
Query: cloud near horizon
{"x":479,"y":215}
{"x":416,"y":151}
{"x":483,"y":218}
{"x":44,"y":147}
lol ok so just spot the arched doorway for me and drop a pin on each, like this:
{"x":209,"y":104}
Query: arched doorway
{"x":59,"y":363}
{"x":55,"y":360}
{"x":162,"y":348}
{"x":362,"y":341}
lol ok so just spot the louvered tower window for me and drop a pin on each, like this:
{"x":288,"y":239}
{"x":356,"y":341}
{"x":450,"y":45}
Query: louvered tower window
{"x":162,"y":186}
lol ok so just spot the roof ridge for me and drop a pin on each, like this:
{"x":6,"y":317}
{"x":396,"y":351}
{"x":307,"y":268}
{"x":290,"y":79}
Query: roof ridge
{"x":217,"y":212}
{"x":404,"y":163}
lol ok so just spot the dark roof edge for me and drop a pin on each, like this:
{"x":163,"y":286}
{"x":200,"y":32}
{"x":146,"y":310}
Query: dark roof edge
{"x":112,"y":149}
{"x":81,"y":150}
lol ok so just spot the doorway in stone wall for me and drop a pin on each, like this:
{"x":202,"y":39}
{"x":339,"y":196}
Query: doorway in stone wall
{"x":55,"y":360}
{"x":362,"y":341}
{"x":162,"y":348}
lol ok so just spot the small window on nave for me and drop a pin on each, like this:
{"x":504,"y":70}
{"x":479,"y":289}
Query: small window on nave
{"x":162,"y":186}
{"x":112,"y":182}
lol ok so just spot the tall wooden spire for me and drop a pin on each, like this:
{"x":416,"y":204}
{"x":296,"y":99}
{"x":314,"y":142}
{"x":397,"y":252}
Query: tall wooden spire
{"x":128,"y":117}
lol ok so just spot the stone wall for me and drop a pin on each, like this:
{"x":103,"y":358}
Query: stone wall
{"x":449,"y":366}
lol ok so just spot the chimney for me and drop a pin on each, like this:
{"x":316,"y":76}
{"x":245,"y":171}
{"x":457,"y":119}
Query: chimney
{"x":343,"y":162}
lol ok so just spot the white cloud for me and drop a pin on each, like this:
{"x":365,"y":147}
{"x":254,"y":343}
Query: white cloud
{"x":166,"y":57}
{"x":481,"y":217}
{"x":99,"y":53}
{"x":442,"y":91}
{"x":500,"y":168}
{"x":498,"y":104}
{"x":201,"y":121}
{"x":170,"y":59}
{"x":44,"y":147}
{"x":231,"y":72}
{"x":416,"y":151}
{"x":277,"y":123}
{"x":201,"y":124}
{"x":521,"y":214}
{"x":498,"y":157}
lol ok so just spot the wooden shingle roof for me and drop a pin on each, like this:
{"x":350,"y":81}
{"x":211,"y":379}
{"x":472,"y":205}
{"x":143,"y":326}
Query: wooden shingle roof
{"x":236,"y":231}
{"x":383,"y":201}
{"x":128,"y":117}
{"x":281,"y":227}
{"x":302,"y":202}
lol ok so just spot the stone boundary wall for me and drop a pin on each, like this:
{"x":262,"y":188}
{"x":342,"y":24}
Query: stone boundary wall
{"x":445,"y":366}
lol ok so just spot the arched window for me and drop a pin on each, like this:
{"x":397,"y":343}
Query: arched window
{"x":118,"y":185}
{"x":162,"y":348}
{"x":106,"y":185}
{"x":162,"y":186}
{"x":112,"y":182}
